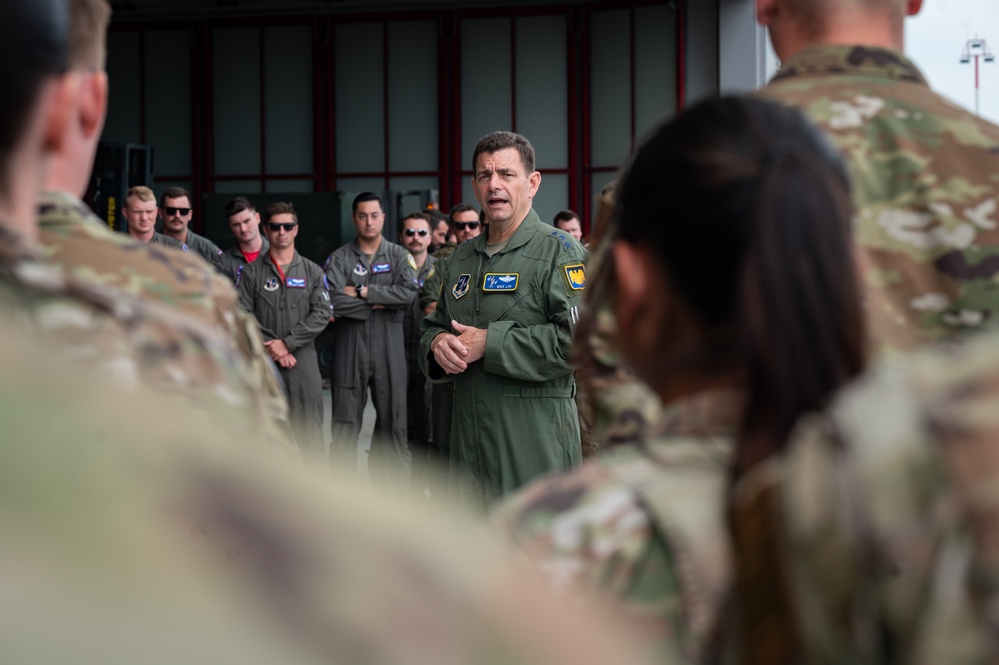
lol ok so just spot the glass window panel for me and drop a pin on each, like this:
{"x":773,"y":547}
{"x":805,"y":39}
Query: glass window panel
{"x":124,"y":105}
{"x":485,"y":81}
{"x":360,"y":109}
{"x":291,"y":186}
{"x":413,"y":142}
{"x":168,"y":99}
{"x":237,"y":187}
{"x":542,"y":98}
{"x":610,"y":93}
{"x":288,"y":99}
{"x":702,"y":37}
{"x":357,"y":185}
{"x":655,"y":67}
{"x":236,"y":81}
{"x":552,"y":196}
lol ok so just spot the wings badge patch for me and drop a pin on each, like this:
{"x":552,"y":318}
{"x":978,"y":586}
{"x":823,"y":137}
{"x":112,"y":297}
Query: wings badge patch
{"x":461,"y":287}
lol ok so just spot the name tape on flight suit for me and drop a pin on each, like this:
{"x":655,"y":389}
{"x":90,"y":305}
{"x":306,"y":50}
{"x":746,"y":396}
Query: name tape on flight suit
{"x":295,"y":283}
{"x":500,"y":281}
{"x":380,"y":268}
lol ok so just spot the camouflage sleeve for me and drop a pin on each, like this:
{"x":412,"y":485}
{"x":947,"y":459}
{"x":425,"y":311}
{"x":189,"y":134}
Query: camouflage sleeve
{"x":588,"y":536}
{"x":874,"y":547}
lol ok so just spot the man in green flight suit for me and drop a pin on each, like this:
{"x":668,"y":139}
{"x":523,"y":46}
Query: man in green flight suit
{"x":372,"y":284}
{"x":502,"y":331}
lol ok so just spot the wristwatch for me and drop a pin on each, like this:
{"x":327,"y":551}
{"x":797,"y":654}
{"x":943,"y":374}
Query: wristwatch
{"x":358,"y":287}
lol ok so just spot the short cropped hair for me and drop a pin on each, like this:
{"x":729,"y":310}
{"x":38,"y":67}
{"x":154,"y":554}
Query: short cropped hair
{"x":364,"y":197}
{"x":174,"y":193}
{"x":564,"y":216}
{"x":425,"y":216}
{"x":237,"y":205}
{"x":458,"y":208}
{"x":280,"y":208}
{"x":88,"y":21}
{"x":140,"y":192}
{"x":497,"y":141}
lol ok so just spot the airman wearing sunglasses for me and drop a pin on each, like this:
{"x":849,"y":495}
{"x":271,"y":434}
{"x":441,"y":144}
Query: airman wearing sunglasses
{"x":176,"y":212}
{"x":288,"y":296}
{"x":372,"y":284}
{"x":416,"y":236}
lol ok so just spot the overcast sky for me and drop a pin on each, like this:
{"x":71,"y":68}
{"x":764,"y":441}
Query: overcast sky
{"x":935,"y":38}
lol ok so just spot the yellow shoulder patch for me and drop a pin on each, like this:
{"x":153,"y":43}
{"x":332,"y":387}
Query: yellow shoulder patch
{"x":411,"y":260}
{"x":575,"y":274}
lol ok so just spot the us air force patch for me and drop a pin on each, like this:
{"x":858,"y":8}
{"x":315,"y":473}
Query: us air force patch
{"x":411,"y":261}
{"x":576,"y":276}
{"x":500,"y":281}
{"x":461,"y":288}
{"x":271,"y":284}
{"x":379,"y":268}
{"x":360,"y":270}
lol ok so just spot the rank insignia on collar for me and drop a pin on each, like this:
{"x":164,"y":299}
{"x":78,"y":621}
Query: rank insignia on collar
{"x":461,"y":288}
{"x":271,"y":284}
{"x":359,"y":269}
{"x":379,"y":268}
{"x":500,"y":281}
{"x":576,"y":275}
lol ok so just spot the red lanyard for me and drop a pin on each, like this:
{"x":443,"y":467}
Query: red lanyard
{"x":280,"y":272}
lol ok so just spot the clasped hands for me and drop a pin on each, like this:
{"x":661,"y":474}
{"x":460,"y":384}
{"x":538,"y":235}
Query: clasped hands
{"x":454,"y":353}
{"x":279,"y":352}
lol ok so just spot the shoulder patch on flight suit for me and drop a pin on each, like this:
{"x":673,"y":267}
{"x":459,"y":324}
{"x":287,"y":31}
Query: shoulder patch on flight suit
{"x":575,"y":278}
{"x":461,"y":287}
{"x":500,"y":281}
{"x":271,"y":284}
{"x":380,"y":268}
{"x":239,"y":274}
{"x":326,"y":282}
{"x":433,"y":271}
{"x":184,"y":247}
{"x":411,"y":261}
{"x":360,"y":270}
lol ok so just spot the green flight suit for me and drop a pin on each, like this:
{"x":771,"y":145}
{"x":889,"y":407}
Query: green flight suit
{"x":294,"y":307}
{"x":232,"y":262}
{"x":442,"y":394}
{"x":369,"y":348}
{"x":514,"y":417}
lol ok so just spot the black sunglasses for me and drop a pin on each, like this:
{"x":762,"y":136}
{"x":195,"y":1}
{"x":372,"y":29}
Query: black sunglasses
{"x":275,"y":226}
{"x":416,"y":232}
{"x":461,"y":226}
{"x":170,"y":210}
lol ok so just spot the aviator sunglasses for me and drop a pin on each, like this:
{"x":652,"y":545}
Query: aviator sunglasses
{"x":170,"y":210}
{"x":461,"y":226}
{"x":416,"y":232}
{"x":275,"y":226}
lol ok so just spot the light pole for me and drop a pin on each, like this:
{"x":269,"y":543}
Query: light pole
{"x":976,"y":48}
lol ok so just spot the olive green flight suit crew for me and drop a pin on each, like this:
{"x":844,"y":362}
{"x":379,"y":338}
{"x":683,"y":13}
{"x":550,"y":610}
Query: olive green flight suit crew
{"x":232,"y":262}
{"x":417,"y":385}
{"x":514,"y":417}
{"x":293,"y":307}
{"x":369,"y":349}
{"x":441,"y":394}
{"x":202,"y":246}
{"x":167,"y":241}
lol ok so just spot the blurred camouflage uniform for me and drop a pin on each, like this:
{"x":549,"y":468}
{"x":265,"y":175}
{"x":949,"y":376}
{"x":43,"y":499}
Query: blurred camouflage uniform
{"x":640,"y":527}
{"x":132,"y":536}
{"x":74,"y":240}
{"x":873,"y":538}
{"x":445,"y":251}
{"x":615,"y":406}
{"x":924,"y":187}
{"x":83,"y":321}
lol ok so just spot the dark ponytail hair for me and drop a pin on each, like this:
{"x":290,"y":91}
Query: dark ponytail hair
{"x":748,"y":209}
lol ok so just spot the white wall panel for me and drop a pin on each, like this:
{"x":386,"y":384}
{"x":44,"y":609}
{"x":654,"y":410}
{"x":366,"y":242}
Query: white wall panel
{"x":485,"y":81}
{"x":610,"y":92}
{"x":360,"y":95}
{"x":541,"y":84}
{"x":413,"y":122}
{"x":236,"y":92}
{"x":288,"y":100}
